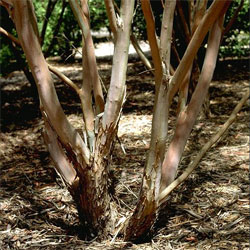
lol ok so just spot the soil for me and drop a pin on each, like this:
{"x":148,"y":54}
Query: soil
{"x":210,"y":210}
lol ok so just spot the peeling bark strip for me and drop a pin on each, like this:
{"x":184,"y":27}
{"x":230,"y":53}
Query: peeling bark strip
{"x":70,"y":154}
{"x":84,"y":165}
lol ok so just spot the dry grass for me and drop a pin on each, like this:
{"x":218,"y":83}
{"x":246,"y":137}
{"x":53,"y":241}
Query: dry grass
{"x":209,"y":211}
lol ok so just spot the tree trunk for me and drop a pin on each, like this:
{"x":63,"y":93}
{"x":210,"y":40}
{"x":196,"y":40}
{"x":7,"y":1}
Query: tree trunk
{"x":84,"y":164}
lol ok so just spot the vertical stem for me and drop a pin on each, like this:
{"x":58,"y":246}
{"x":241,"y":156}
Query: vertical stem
{"x":166,"y":33}
{"x":207,"y":21}
{"x":49,"y":10}
{"x":111,"y":16}
{"x":91,"y":79}
{"x":188,"y":117}
{"x":83,"y":22}
{"x":164,"y":194}
{"x":26,"y":26}
{"x":151,"y":33}
{"x":145,"y":212}
{"x":110,"y":9}
{"x":116,"y":93}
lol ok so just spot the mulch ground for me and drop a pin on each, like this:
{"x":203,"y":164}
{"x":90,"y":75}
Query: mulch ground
{"x":208,"y":211}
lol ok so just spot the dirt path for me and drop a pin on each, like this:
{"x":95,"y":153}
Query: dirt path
{"x":209,"y":211}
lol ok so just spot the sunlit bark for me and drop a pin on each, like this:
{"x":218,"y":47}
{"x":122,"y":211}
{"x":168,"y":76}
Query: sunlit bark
{"x":84,"y":166}
{"x":25,"y":21}
{"x":188,"y":116}
{"x":117,"y":90}
{"x":164,"y":194}
{"x":145,"y":212}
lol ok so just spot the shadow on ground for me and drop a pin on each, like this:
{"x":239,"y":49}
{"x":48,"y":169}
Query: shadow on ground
{"x":209,"y":211}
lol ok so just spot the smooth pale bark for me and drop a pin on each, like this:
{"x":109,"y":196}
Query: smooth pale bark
{"x":188,"y":117}
{"x":164,"y":194}
{"x":117,"y":89}
{"x":112,"y":18}
{"x":166,"y":33}
{"x":25,"y":21}
{"x":144,"y":214}
{"x":90,"y":64}
{"x":91,"y":79}
{"x":110,"y":9}
{"x":183,"y":92}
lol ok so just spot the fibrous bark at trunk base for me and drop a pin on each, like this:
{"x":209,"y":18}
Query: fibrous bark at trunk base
{"x":90,"y":190}
{"x":138,"y":226}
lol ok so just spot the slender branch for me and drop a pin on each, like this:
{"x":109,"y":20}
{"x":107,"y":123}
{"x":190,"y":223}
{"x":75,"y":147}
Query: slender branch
{"x":117,"y":89}
{"x":90,"y":72}
{"x":10,"y":36}
{"x":148,"y":15}
{"x":51,"y":68}
{"x":56,"y":29}
{"x":110,"y":8}
{"x":164,"y":194}
{"x":139,"y":52}
{"x":183,"y":21}
{"x":49,"y":10}
{"x":85,"y":9}
{"x":194,"y":20}
{"x":111,"y":17}
{"x":88,"y":50}
{"x":26,"y":26}
{"x":64,"y":78}
{"x":200,"y":9}
{"x":188,"y":116}
{"x":166,"y":33}
{"x":208,"y":19}
{"x":233,"y":19}
{"x":143,"y":215}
